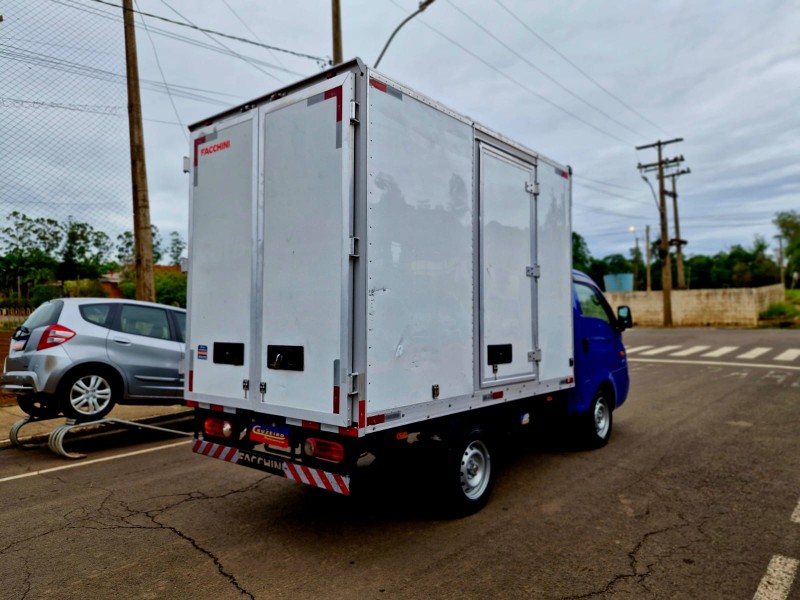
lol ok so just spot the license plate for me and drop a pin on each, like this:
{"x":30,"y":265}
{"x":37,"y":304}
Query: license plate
{"x":276,"y":436}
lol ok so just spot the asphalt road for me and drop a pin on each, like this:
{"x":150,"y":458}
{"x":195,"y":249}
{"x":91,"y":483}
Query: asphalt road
{"x":696,"y":496}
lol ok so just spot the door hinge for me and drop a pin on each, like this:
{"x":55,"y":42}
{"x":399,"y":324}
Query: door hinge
{"x":352,"y":384}
{"x":532,"y":188}
{"x":354,"y":112}
{"x":354,"y":249}
{"x":535,"y":356}
{"x":534,"y":271}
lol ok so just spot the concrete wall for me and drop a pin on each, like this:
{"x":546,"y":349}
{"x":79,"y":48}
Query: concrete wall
{"x":692,"y":308}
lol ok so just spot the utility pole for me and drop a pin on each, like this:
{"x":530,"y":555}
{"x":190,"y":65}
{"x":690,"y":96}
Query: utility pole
{"x":666,"y":269}
{"x":647,"y":255}
{"x":337,"y":31}
{"x":677,"y":242}
{"x":142,"y":234}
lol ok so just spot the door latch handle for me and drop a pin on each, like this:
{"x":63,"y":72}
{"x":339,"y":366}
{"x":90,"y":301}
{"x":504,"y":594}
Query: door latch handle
{"x":585,"y":345}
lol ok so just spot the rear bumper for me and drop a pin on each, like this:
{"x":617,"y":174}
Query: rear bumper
{"x":20,"y":382}
{"x":333,"y":482}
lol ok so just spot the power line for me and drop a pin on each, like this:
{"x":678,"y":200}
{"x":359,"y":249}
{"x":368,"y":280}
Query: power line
{"x":216,"y":41}
{"x":542,"y":71}
{"x":189,"y":24}
{"x":515,"y":81}
{"x":253,"y":33}
{"x":577,"y":68}
{"x":163,"y":79}
{"x":616,"y":185}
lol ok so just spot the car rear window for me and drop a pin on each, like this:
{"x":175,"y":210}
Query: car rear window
{"x":46,"y":314}
{"x":96,"y":313}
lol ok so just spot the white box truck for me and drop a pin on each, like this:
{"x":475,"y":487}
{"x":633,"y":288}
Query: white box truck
{"x":368,"y":268}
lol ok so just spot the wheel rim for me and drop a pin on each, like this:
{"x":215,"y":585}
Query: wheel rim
{"x":90,"y":394}
{"x":475,"y":470}
{"x":602,"y":418}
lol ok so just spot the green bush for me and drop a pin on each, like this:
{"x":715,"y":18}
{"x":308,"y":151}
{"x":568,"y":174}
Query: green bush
{"x":781,"y":310}
{"x":43,"y":293}
{"x":793,"y":296}
{"x":84,"y":288}
{"x":170,"y":287}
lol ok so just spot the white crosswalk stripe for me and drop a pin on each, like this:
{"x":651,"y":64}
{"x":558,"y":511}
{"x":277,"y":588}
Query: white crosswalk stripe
{"x":690,"y":351}
{"x":660,"y":350}
{"x":790,"y":354}
{"x":720,"y":351}
{"x":637,"y":349}
{"x":754,"y":353}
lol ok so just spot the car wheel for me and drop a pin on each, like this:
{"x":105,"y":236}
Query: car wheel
{"x":470,"y":473}
{"x":38,"y":406}
{"x":88,"y":395}
{"x":598,"y":421}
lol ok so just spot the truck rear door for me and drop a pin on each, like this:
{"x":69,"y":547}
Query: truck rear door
{"x":305,"y":245}
{"x":221,"y":241}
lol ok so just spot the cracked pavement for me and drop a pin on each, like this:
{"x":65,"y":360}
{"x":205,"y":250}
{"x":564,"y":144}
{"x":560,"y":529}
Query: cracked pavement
{"x":689,"y":500}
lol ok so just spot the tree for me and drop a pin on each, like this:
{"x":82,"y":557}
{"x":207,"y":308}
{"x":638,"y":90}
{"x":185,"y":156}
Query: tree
{"x":176,"y":248}
{"x":84,"y":251}
{"x":788,"y":223}
{"x":581,"y":257}
{"x":125,"y":246}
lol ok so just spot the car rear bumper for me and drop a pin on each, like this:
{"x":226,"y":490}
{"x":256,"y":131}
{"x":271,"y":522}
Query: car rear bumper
{"x":20,"y":382}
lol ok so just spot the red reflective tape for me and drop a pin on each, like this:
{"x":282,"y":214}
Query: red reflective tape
{"x":191,"y":383}
{"x":218,"y":407}
{"x":362,"y":413}
{"x":342,"y":484}
{"x":497,"y":395}
{"x":376,"y":419}
{"x":310,"y":424}
{"x":377,"y":84}
{"x":336,"y":399}
{"x":336,"y":93}
{"x":196,"y":445}
{"x":305,"y":471}
{"x":291,"y":472}
{"x":349,"y":431}
{"x":218,"y":449}
{"x":230,"y":454}
{"x":323,"y":476}
{"x":197,"y":142}
{"x":191,"y":403}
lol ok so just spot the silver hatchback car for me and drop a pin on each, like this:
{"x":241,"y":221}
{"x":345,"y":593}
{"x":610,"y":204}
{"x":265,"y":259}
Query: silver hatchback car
{"x":81,"y":356}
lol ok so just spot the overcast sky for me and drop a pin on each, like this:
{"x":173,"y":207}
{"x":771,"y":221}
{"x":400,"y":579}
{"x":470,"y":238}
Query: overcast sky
{"x":581,"y":82}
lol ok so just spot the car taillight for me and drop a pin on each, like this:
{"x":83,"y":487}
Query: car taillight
{"x":55,"y":335}
{"x":324,"y":450}
{"x":217,"y":428}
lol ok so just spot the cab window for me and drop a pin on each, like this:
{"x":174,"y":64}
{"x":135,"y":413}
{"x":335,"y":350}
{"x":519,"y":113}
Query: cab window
{"x":593,"y":304}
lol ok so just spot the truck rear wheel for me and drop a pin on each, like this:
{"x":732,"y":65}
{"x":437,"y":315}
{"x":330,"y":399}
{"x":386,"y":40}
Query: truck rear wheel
{"x":470,"y":473}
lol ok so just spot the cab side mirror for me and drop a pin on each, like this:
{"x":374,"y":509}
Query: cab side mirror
{"x":624,"y":318}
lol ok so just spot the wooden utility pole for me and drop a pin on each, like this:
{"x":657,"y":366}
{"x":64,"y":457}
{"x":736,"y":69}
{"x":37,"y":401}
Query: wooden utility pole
{"x":781,"y":268}
{"x":663,"y":253}
{"x":337,"y":32}
{"x":142,"y":234}
{"x":677,"y":241}
{"x":647,"y":255}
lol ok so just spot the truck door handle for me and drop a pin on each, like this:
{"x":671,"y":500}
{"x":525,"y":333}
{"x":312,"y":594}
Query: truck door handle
{"x":585,"y":345}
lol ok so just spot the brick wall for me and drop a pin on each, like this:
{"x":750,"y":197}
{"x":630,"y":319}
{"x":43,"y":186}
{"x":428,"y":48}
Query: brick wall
{"x":693,"y":308}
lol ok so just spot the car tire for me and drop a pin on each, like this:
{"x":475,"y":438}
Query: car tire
{"x":470,"y":474}
{"x":38,"y":406}
{"x":596,"y":424}
{"x":89,"y":394}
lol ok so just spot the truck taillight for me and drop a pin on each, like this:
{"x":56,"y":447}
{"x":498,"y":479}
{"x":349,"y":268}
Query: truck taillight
{"x":218,"y":428}
{"x":324,"y":450}
{"x":54,"y":335}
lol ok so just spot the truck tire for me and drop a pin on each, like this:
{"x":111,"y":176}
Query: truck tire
{"x":596,"y":423}
{"x":88,"y":394}
{"x":470,"y":474}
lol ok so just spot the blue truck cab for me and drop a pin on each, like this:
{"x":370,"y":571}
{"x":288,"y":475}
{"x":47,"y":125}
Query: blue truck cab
{"x":601,"y":365}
